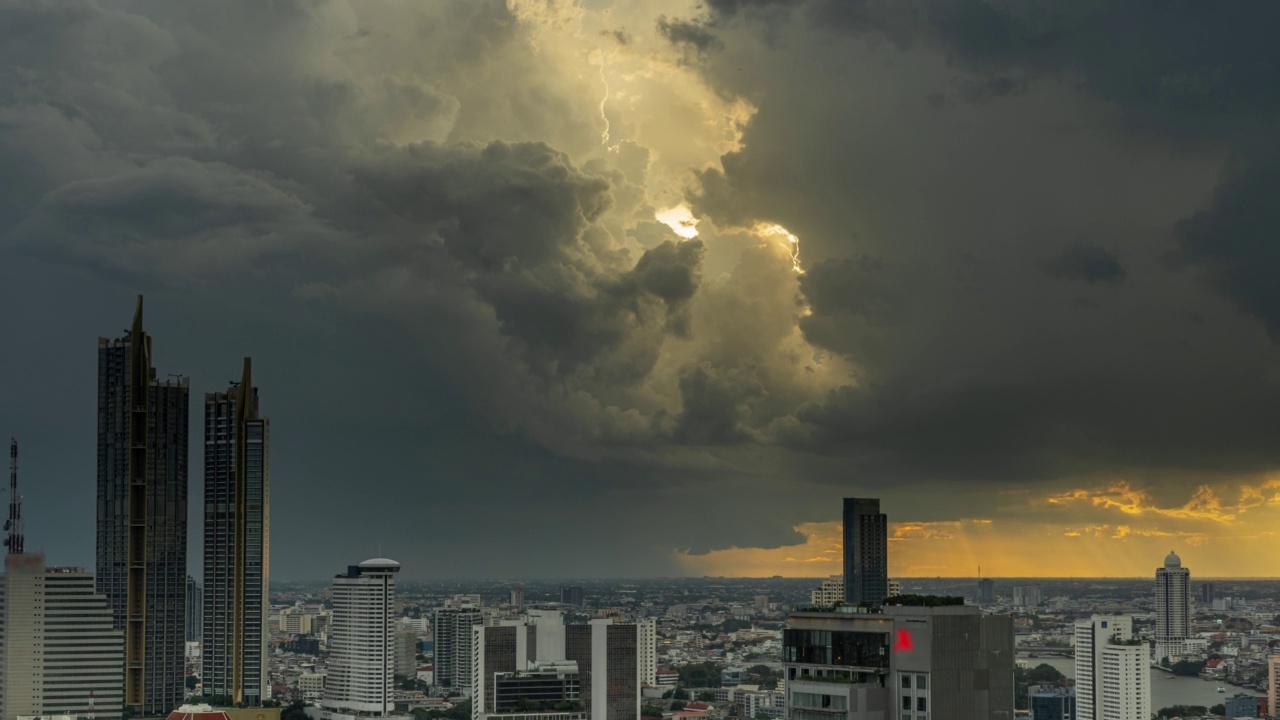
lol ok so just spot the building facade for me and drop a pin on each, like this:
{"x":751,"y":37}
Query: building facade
{"x":605,"y":662}
{"x":1113,"y":679}
{"x":1027,"y":596}
{"x":986,"y":591}
{"x":866,"y":552}
{"x":952,"y":663}
{"x":361,"y":674}
{"x":60,"y":652}
{"x":571,"y":595}
{"x":451,"y":628}
{"x":829,"y":593}
{"x":1173,"y":609}
{"x":142,"y":516}
{"x":195,"y":610}
{"x":1052,"y":704}
{"x":236,"y":544}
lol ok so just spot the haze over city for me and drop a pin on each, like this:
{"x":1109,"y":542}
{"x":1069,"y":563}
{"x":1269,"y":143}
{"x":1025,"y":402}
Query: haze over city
{"x":544,"y":289}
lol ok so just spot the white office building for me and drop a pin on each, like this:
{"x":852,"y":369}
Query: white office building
{"x":58,"y":648}
{"x":1173,"y":609}
{"x":361,"y":673}
{"x":648,"y":629}
{"x":1113,"y":676}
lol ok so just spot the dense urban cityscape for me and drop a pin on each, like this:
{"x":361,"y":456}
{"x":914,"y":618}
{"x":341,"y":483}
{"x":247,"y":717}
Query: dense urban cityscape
{"x":141,"y":637}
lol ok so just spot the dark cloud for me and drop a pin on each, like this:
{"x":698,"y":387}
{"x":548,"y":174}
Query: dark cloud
{"x":1089,"y":263}
{"x":689,"y":33}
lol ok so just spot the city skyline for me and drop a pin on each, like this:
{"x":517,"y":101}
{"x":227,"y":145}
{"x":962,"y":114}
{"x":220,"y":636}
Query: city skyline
{"x":672,"y":275}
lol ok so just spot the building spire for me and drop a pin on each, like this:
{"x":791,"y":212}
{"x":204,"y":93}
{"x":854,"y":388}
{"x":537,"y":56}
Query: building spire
{"x":14,"y":541}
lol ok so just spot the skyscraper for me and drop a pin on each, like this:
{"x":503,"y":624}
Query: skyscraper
{"x":1113,"y":681}
{"x":362,"y":662}
{"x":866,"y":552}
{"x":1173,"y":608}
{"x":452,"y":635}
{"x":142,"y":516}
{"x":62,"y":654}
{"x":571,"y":595}
{"x":236,"y":504}
{"x":986,"y":591}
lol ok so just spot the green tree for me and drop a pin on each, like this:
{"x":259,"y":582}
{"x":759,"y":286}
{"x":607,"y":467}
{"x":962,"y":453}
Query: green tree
{"x":1044,"y":674}
{"x":1219,"y":709}
{"x":296,"y":710}
{"x":650,"y":711}
{"x":681,"y":694}
{"x":459,"y":711}
{"x":761,"y":715}
{"x":192,"y":681}
{"x":1174,"y":711}
{"x":706,"y":696}
{"x":677,"y":705}
{"x":1188,"y":668}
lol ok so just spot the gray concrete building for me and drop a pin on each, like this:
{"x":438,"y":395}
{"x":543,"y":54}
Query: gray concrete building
{"x":866,"y":552}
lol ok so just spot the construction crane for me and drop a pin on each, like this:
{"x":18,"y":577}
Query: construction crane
{"x":14,"y":524}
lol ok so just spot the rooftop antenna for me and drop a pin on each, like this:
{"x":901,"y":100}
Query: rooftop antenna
{"x":14,"y":524}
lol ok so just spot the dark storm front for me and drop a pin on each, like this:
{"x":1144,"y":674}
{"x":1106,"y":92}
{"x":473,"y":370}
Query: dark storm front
{"x":142,"y":515}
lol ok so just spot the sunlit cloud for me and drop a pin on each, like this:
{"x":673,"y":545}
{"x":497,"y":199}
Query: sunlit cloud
{"x":681,"y":221}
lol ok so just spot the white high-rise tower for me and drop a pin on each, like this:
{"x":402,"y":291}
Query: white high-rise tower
{"x":1173,"y":608}
{"x":1113,"y":681}
{"x":362,"y":662}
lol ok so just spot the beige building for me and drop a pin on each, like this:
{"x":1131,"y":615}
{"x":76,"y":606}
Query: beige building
{"x":57,"y":644}
{"x":830,"y":592}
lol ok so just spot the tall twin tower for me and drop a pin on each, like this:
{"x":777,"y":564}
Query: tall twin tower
{"x":143,"y":438}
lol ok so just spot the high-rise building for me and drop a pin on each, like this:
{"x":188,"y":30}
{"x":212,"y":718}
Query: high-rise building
{"x":1207,"y":595}
{"x":60,"y":652}
{"x":1173,"y":609}
{"x":362,"y":662}
{"x":142,"y":516}
{"x":236,"y":544}
{"x":195,"y":610}
{"x":1273,"y":687}
{"x":986,"y":591}
{"x":952,"y":663}
{"x":571,"y":595}
{"x":517,"y":596}
{"x":866,"y":552}
{"x":602,"y":663}
{"x":1113,"y":681}
{"x":406,"y":654}
{"x":1027,"y":596}
{"x":452,"y":637}
{"x":895,"y":587}
{"x":648,"y":629}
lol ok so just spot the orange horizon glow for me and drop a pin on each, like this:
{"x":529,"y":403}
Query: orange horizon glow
{"x":1110,"y":532}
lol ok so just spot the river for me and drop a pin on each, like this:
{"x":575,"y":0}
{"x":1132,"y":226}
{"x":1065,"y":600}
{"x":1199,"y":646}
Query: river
{"x":1166,"y":688}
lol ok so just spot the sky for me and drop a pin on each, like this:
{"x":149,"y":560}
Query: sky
{"x":590,"y":288}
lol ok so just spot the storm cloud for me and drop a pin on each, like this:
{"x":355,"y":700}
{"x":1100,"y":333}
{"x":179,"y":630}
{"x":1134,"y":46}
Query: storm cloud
{"x":928,"y":246}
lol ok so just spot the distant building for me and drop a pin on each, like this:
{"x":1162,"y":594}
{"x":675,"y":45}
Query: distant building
{"x":667,"y":678}
{"x":143,"y":442}
{"x":1173,"y":609}
{"x":58,"y":643}
{"x":571,"y":595}
{"x":195,"y":607}
{"x":1052,"y":704}
{"x":648,"y":631}
{"x":517,"y":596}
{"x":986,"y":591}
{"x":1113,"y":681}
{"x":1273,"y":675}
{"x":1207,"y":595}
{"x":895,"y":588}
{"x":866,"y":552}
{"x":762,"y":603}
{"x":1027,"y":597}
{"x":360,"y":676}
{"x":452,"y":636}
{"x":1241,"y":706}
{"x":406,"y":654}
{"x":830,"y":592}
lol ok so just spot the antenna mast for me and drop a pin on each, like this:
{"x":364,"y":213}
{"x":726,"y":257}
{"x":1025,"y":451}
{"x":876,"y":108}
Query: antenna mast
{"x":14,"y":523}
